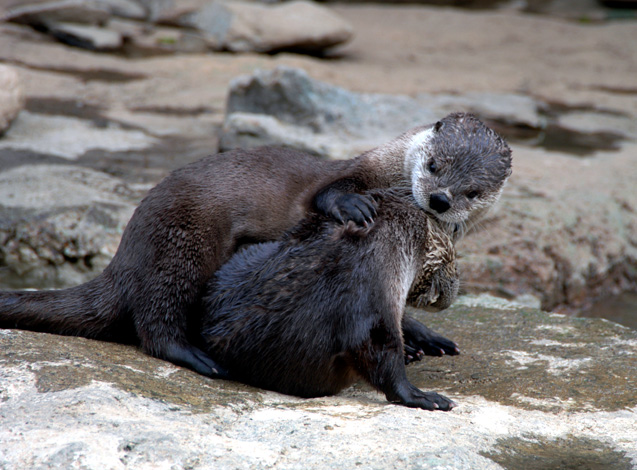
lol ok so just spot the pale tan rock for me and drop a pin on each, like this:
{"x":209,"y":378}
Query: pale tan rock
{"x":11,"y":96}
{"x":245,"y":27}
{"x":547,"y":387}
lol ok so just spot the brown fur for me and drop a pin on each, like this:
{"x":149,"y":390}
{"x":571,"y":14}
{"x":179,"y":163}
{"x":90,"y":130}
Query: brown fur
{"x":311,"y":313}
{"x":197,"y":217}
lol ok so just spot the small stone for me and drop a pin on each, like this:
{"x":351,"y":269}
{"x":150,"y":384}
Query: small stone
{"x":157,"y":39}
{"x":86,"y":36}
{"x":11,"y":96}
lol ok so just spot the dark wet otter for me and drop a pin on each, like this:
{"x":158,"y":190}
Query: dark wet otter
{"x":311,"y":313}
{"x":196,"y":218}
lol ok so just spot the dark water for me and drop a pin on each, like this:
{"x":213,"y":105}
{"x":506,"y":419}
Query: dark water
{"x":620,"y":308}
{"x":537,"y":453}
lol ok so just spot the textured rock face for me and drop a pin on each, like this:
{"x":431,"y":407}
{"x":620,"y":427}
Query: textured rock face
{"x":59,"y":225}
{"x":533,"y":389}
{"x":287,"y":107}
{"x":11,"y":96}
{"x":84,"y":11}
{"x":565,"y":229}
{"x":70,"y":137}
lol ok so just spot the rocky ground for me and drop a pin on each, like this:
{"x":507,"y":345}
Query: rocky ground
{"x":535,"y":391}
{"x":87,"y":132}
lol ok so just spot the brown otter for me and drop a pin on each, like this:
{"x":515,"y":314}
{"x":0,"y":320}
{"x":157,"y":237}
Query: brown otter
{"x":309,"y":314}
{"x":197,"y":217}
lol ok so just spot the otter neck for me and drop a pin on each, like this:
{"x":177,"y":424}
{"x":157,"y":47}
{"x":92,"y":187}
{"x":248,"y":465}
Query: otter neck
{"x":393,"y":164}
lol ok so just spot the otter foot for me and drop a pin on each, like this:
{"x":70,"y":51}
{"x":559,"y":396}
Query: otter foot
{"x":420,"y":340}
{"x":413,"y":397}
{"x":413,"y":354}
{"x":195,"y":359}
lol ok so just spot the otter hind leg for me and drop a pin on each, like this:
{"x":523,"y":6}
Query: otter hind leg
{"x":163,"y":318}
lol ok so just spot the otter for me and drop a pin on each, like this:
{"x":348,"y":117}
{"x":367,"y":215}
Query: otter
{"x":199,"y":215}
{"x":309,"y":314}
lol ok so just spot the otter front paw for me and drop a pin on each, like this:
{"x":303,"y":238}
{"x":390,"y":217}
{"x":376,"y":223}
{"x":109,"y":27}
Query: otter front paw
{"x":411,"y":396}
{"x":358,"y":208}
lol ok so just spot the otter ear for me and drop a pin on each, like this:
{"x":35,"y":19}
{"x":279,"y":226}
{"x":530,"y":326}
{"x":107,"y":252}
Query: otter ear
{"x":438,"y":126}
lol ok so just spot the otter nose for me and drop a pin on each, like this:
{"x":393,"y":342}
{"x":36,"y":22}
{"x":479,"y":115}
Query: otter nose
{"x":439,"y":202}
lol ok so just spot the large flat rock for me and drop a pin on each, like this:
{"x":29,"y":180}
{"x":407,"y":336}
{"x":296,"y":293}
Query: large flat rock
{"x":534,"y":390}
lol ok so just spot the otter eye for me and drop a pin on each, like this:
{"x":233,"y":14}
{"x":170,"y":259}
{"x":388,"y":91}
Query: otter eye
{"x":431,"y":166}
{"x":473,"y":194}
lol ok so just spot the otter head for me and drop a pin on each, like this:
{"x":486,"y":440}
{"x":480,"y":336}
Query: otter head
{"x":457,"y":169}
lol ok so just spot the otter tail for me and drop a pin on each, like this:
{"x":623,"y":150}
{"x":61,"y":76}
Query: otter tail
{"x":90,"y":310}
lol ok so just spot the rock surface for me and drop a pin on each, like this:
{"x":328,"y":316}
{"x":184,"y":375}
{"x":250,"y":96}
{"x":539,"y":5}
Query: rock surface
{"x":287,"y":107}
{"x":11,"y":96}
{"x":90,"y":37}
{"x":299,"y":25}
{"x":69,"y":137}
{"x":59,"y":225}
{"x":534,"y":390}
{"x":561,"y":237}
{"x":252,"y":27}
{"x":167,"y":110}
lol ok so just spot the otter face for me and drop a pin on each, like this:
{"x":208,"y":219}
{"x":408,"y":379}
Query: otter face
{"x":457,"y":168}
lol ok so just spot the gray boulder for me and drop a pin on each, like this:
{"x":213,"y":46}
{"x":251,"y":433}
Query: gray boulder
{"x":11,"y":96}
{"x":287,"y":107}
{"x":59,"y":225}
{"x":252,"y":27}
{"x":86,"y":23}
{"x":534,"y":390}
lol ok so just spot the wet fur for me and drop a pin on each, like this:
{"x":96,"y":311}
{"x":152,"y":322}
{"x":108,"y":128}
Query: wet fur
{"x":311,"y":313}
